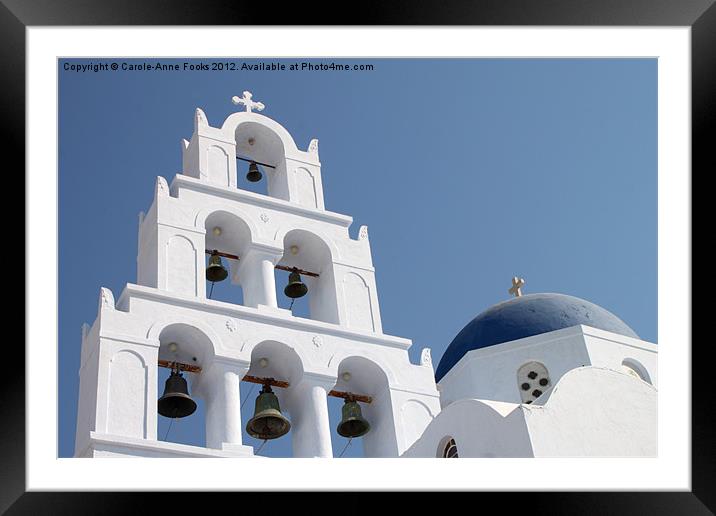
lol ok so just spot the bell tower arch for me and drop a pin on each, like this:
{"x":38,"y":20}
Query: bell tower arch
{"x":201,"y":229}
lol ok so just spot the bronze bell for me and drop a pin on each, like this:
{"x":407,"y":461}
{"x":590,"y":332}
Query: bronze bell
{"x":268,"y":422}
{"x":352,"y":423}
{"x":216,"y":271}
{"x":253,"y":175}
{"x":295,"y":288}
{"x":176,"y":401}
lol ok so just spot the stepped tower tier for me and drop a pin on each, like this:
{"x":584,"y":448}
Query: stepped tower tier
{"x":293,"y":175}
{"x":168,"y":317}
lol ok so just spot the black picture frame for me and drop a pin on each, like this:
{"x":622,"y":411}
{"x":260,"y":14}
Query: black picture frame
{"x":700,"y":15}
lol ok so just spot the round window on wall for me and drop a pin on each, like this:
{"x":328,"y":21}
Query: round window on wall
{"x":532,"y":380}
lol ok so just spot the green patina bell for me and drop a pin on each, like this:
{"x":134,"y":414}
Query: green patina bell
{"x":216,"y":271}
{"x":253,"y":175}
{"x":295,"y":288}
{"x":268,"y":422}
{"x":352,"y":423}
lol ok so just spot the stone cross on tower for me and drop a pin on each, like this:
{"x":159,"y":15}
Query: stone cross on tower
{"x":517,"y":284}
{"x":246,"y":101}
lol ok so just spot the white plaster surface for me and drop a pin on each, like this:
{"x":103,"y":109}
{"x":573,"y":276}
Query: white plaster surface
{"x":118,"y":374}
{"x":594,"y":404}
{"x":591,"y":412}
{"x":491,"y":373}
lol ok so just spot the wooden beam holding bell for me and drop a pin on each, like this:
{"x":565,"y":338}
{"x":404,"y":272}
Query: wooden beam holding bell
{"x":216,"y":271}
{"x":176,"y":402}
{"x":268,"y":422}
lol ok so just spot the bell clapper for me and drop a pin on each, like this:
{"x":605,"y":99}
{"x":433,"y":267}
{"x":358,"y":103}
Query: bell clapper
{"x":211,"y":290}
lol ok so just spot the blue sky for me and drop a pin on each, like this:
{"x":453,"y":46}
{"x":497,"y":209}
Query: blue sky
{"x":466,"y":171}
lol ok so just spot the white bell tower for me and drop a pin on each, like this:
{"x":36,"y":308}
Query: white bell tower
{"x":167,"y":318}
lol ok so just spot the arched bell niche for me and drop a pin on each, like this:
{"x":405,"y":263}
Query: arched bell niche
{"x":309,"y":252}
{"x":185,"y":344}
{"x":270,"y":359}
{"x":228,"y":233}
{"x":359,"y":375}
{"x":257,"y":142}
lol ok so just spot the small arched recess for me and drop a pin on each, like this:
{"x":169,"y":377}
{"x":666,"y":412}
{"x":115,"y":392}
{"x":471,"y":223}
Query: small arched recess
{"x":187,"y":344}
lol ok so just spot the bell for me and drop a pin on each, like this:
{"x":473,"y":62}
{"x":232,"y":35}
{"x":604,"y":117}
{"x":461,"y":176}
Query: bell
{"x":176,"y":401}
{"x":216,"y":271}
{"x":352,"y":423}
{"x":268,"y":422}
{"x":253,"y":175}
{"x":296,"y":287}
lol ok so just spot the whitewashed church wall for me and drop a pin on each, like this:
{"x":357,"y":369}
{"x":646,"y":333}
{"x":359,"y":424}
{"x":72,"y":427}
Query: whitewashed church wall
{"x":190,"y":157}
{"x":118,"y":375}
{"x":271,"y":218}
{"x":221,"y":164}
{"x":609,"y":350}
{"x":126,"y":389}
{"x":277,"y":179}
{"x":479,"y":430}
{"x":209,"y":156}
{"x":147,"y":260}
{"x":265,"y":140}
{"x":491,"y":373}
{"x":413,"y":412}
{"x":236,"y":331}
{"x":358,"y":300}
{"x":114,"y":446}
{"x":595,"y":412}
{"x":181,"y":261}
{"x":185,"y":215}
{"x":323,"y":297}
{"x":305,"y":184}
{"x":87,"y":401}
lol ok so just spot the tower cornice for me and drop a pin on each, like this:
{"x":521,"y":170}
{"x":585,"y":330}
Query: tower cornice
{"x":181,"y":181}
{"x":133,"y":291}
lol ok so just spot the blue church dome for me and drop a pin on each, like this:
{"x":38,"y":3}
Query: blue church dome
{"x":525,"y":316}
